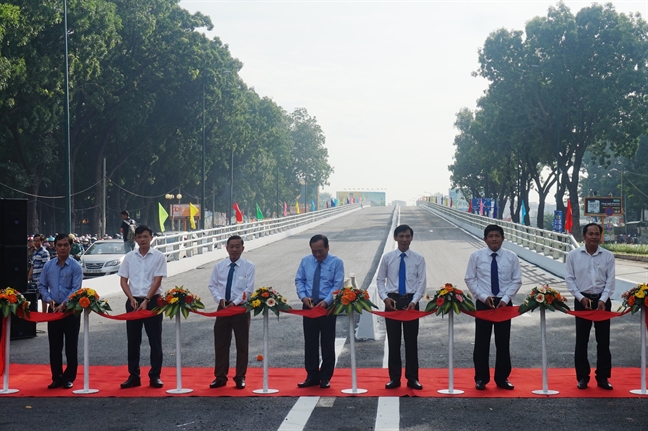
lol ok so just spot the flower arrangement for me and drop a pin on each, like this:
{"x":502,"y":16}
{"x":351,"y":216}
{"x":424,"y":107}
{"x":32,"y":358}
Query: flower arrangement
{"x":11,"y":301}
{"x":448,"y":299}
{"x":86,"y":299}
{"x":544,"y":297}
{"x":178,"y":300}
{"x":349,"y":299}
{"x":635,"y":298}
{"x":266,"y":298}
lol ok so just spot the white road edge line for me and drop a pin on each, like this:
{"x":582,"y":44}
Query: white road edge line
{"x":388,"y":414}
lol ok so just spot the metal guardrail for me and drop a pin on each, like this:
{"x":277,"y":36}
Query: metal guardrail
{"x":551,"y":244}
{"x":203,"y":241}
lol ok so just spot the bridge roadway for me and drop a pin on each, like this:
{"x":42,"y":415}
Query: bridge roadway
{"x":358,"y":238}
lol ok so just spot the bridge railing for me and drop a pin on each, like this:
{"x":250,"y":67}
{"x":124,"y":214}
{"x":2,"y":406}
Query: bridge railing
{"x":187,"y":244}
{"x":551,"y":244}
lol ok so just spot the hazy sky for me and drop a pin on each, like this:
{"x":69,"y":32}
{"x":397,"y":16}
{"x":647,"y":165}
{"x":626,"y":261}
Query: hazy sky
{"x":383,"y":78}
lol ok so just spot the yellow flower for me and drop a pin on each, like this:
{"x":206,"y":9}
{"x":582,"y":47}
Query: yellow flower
{"x":443,"y":292}
{"x":173,"y":300}
{"x":643,"y":286}
{"x":256,"y":303}
{"x":640,"y":294}
{"x":91,"y":292}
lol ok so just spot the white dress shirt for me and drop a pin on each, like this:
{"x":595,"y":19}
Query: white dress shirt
{"x":478,"y":274}
{"x":590,"y":273}
{"x":242,"y":280}
{"x":387,"y":278}
{"x":140,"y":271}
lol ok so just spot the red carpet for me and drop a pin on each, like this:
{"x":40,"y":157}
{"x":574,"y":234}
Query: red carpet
{"x":32,"y":381}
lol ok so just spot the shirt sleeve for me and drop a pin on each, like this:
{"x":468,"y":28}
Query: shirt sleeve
{"x":123,"y":268}
{"x":421,"y":282}
{"x":471,"y":278}
{"x":42,"y":286}
{"x":610,"y":280}
{"x":380,"y":278}
{"x":300,"y":280}
{"x":516,"y":279}
{"x":570,"y":276}
{"x":213,"y":285}
{"x":77,"y":278}
{"x":161,"y":266}
{"x":338,"y":280}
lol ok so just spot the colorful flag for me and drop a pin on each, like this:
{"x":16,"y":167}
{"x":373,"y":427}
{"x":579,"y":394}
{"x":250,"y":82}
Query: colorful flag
{"x":297,"y":206}
{"x":568,"y":218}
{"x":494,"y":208}
{"x":259,"y":213}
{"x":332,"y":203}
{"x":327,"y":205}
{"x":162,"y":215}
{"x":312,"y":205}
{"x":524,"y":213}
{"x":192,"y":212}
{"x":239,"y":213}
{"x":285,"y":209}
{"x":470,"y":208}
{"x":481,"y":206}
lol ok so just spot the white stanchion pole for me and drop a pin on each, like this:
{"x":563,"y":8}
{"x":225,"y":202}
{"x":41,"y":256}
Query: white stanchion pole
{"x":179,"y":389}
{"x":642,"y":391}
{"x":7,"y":335}
{"x":354,"y":384}
{"x":86,"y":356}
{"x":451,"y":390}
{"x":545,"y":381}
{"x":266,"y":334}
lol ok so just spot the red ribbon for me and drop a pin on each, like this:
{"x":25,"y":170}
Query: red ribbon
{"x":225,"y":312}
{"x":313,"y":313}
{"x":495,"y":315}
{"x":38,"y":317}
{"x":402,"y":315}
{"x":597,"y":315}
{"x":131,"y":315}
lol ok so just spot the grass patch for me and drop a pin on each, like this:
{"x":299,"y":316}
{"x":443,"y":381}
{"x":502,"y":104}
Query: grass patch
{"x":638,"y":249}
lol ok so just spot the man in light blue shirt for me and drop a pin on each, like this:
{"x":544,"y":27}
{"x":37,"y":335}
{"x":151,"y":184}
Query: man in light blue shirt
{"x":60,"y":278}
{"x":318,"y":276}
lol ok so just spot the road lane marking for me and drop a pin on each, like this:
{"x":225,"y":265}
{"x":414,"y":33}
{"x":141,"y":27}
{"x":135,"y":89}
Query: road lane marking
{"x":388,"y":414}
{"x":300,"y":413}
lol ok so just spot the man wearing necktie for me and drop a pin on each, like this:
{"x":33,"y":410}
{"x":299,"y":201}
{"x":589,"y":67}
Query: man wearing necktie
{"x":401,"y":283}
{"x":232,"y":281}
{"x":493,"y":277}
{"x":318,"y":275}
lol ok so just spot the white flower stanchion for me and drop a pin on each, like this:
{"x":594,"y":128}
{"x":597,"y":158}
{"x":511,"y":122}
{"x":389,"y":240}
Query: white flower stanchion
{"x":354,"y":385}
{"x":451,"y":390}
{"x":642,"y":317}
{"x":543,"y":330}
{"x":7,"y":336}
{"x":266,"y":332}
{"x":179,"y":389}
{"x":86,"y":356}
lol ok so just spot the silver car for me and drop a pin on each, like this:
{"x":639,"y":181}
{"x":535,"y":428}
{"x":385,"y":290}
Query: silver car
{"x":103,"y":257}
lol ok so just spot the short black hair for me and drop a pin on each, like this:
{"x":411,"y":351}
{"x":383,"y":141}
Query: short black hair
{"x":493,"y":227}
{"x":143,"y":228}
{"x":40,"y":236}
{"x":600,"y":228}
{"x":235,"y":237}
{"x":61,"y":236}
{"x":125,"y":213}
{"x":319,"y":237}
{"x":403,"y":228}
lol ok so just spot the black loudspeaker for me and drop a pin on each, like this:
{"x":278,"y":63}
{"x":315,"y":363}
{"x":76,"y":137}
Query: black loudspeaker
{"x":13,"y":230}
{"x":13,"y":268}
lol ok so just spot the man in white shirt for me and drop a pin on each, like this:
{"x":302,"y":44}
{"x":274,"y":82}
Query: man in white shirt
{"x":231,"y":283}
{"x":141,"y":275}
{"x":591,"y":279}
{"x":493,"y":277}
{"x":401,"y":283}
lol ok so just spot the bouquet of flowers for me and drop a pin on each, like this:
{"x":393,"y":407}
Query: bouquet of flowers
{"x":11,"y":301}
{"x":266,"y":298}
{"x":635,"y":298}
{"x":448,"y":299}
{"x":544,"y":297}
{"x":349,"y":299}
{"x":86,"y":299}
{"x":177,"y":300}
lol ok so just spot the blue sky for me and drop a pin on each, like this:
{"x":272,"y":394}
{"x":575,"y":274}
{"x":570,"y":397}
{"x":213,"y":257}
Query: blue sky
{"x":383,"y":78}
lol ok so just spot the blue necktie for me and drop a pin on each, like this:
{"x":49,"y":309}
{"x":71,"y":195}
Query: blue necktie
{"x":228,"y":286}
{"x":402,"y":286}
{"x":316,"y":282}
{"x":494,"y":275}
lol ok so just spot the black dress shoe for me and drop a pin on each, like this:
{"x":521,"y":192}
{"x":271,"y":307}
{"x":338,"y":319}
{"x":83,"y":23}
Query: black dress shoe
{"x":132,"y":382}
{"x":240,"y":384}
{"x":68,"y":385}
{"x":604,"y":384}
{"x":55,"y":384}
{"x":582,"y":384}
{"x":505,"y":385}
{"x":325,"y":384}
{"x":480,"y":385}
{"x":308,"y":383}
{"x":218,"y":383}
{"x":414,"y":384}
{"x":393,"y":384}
{"x":156,"y":383}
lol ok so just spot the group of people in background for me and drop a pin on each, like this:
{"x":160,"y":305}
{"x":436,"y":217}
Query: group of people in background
{"x":493,"y":276}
